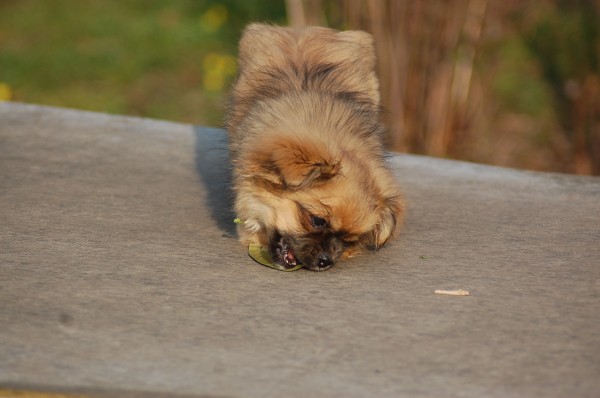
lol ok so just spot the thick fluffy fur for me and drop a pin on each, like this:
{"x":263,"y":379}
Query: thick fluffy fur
{"x":306,"y":141}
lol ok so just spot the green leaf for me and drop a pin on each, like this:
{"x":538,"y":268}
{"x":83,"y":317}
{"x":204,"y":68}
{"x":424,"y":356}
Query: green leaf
{"x":262,"y":256}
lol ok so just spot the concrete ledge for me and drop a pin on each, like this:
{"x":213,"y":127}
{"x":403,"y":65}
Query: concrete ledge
{"x":119,"y":276}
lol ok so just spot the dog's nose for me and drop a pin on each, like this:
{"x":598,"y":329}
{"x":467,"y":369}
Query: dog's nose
{"x":324,"y":261}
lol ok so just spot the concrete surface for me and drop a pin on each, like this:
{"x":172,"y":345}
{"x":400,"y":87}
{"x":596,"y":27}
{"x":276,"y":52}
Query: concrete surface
{"x":119,"y":276}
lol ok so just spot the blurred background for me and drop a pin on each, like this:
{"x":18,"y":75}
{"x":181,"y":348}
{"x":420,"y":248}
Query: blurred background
{"x":512,"y":83}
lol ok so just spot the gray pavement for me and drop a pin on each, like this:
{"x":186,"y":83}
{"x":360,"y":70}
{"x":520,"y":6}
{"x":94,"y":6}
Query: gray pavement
{"x":120,"y":276}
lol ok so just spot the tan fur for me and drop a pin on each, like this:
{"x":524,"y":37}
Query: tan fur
{"x":306,"y":140}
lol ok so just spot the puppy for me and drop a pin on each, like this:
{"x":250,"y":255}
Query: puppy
{"x":306,"y":142}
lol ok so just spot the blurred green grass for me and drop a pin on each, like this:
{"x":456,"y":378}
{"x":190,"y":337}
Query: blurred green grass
{"x":170,"y":60}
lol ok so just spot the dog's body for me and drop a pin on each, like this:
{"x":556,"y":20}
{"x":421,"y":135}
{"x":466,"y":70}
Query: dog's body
{"x":306,"y":142}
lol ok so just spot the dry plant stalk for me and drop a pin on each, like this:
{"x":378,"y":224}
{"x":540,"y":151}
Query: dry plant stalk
{"x":426,"y":54}
{"x":458,"y":292}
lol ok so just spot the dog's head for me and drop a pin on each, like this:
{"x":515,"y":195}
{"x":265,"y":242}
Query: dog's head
{"x":315,"y":191}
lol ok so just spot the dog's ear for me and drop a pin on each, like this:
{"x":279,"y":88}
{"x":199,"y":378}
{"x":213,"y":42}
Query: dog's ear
{"x":390,"y":216}
{"x":299,"y":168}
{"x":289,"y":164}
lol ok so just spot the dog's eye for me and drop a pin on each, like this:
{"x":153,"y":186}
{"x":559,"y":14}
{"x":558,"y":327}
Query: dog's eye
{"x":349,"y":243}
{"x":318,"y":222}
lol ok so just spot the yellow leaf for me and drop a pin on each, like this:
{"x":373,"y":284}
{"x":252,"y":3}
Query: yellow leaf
{"x":5,"y":92}
{"x":213,"y":18}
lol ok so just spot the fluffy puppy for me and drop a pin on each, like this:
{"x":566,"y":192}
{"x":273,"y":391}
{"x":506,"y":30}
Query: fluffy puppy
{"x":306,"y":142}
